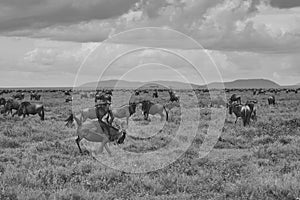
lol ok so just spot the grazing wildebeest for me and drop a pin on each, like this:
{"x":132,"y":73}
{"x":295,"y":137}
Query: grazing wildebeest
{"x":69,"y":99}
{"x":155,"y":94}
{"x":261,"y":91}
{"x":121,"y":112}
{"x":92,"y":95}
{"x":93,"y":131}
{"x":83,"y":95}
{"x":26,"y":108}
{"x":103,"y":97}
{"x":149,"y":107}
{"x":271,"y":100}
{"x":242,"y":111}
{"x":137,"y":93}
{"x":173,"y":96}
{"x":35,"y":96}
{"x":235,"y":98}
{"x":10,"y":105}
{"x":108,"y":92}
{"x":19,"y":96}
{"x":2,"y":101}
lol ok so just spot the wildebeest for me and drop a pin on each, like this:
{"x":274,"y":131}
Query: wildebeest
{"x":271,"y":100}
{"x":92,"y":95}
{"x":251,"y":104}
{"x":155,"y":94}
{"x":83,"y":95}
{"x":11,"y":104}
{"x":35,"y":96}
{"x":93,"y":131}
{"x":122,"y":112}
{"x":108,"y":92}
{"x":2,"y":101}
{"x":106,"y":98}
{"x":26,"y":108}
{"x":149,"y":107}
{"x":235,"y":98}
{"x":173,"y":96}
{"x":19,"y":96}
{"x":137,"y":92}
{"x":67,"y":93}
{"x":261,"y":91}
{"x":242,"y":111}
{"x":69,"y":99}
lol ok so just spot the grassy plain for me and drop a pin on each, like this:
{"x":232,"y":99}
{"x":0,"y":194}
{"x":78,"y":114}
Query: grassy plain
{"x":40,"y":159}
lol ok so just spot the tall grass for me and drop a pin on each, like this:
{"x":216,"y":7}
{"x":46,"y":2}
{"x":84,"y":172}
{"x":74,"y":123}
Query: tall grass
{"x":40,"y":160}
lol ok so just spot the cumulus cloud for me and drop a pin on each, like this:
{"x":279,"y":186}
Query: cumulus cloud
{"x":56,"y":56}
{"x":216,"y":24}
{"x":285,"y":3}
{"x":242,"y":36}
{"x":34,"y":14}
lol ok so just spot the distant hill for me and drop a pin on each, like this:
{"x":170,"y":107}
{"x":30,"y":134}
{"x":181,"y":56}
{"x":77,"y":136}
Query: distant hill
{"x":135,"y":84}
{"x":241,"y":83}
{"x":246,"y":83}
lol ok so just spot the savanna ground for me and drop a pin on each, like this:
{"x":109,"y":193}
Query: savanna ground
{"x":40,"y":159}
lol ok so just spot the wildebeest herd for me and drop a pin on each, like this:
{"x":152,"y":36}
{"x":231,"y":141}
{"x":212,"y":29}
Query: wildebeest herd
{"x":98,"y":130}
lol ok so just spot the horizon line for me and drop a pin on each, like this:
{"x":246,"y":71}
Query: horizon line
{"x":15,"y":87}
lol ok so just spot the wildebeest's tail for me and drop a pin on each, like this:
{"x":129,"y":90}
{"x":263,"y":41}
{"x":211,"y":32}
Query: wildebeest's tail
{"x":43,"y":113}
{"x":167,"y":114}
{"x":245,"y":114}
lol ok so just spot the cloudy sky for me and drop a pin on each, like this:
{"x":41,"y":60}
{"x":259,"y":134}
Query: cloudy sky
{"x":67,"y":42}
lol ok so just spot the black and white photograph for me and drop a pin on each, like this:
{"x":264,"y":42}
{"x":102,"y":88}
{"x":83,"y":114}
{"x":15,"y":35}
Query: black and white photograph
{"x":149,"y":99}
